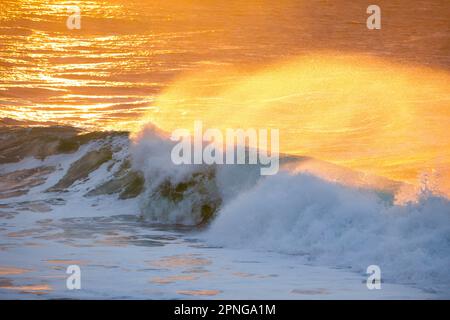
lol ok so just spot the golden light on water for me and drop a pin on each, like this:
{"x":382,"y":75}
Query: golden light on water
{"x":376,"y":101}
{"x":361,"y":112}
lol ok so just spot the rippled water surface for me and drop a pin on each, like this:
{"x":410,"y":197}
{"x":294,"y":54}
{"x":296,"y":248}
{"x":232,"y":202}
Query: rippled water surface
{"x":108,"y":73}
{"x":375,"y":102}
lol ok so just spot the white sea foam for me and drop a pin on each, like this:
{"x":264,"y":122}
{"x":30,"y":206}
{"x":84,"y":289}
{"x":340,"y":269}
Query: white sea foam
{"x":203,"y":184}
{"x":328,"y":223}
{"x":340,"y":226}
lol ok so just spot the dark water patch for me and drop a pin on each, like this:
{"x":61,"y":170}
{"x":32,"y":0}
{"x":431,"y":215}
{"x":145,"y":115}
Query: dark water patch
{"x":128,"y":185}
{"x":16,"y":143}
{"x":81,"y":168}
{"x":197,"y":195}
{"x":19,"y":182}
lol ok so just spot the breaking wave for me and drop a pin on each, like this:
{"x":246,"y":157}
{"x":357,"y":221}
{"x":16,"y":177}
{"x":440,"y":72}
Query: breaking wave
{"x":336,"y":225}
{"x":297,"y":213}
{"x":327,"y":222}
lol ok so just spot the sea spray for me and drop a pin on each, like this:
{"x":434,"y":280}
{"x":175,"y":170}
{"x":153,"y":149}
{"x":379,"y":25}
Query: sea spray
{"x":340,"y":226}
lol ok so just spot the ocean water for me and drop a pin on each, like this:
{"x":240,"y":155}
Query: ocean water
{"x":288,"y":236}
{"x":109,"y":73}
{"x":336,"y":90}
{"x":363,"y":119}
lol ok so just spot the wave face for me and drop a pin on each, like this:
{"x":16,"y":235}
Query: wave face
{"x":345,"y":227}
{"x":298,"y":213}
{"x":295,"y":213}
{"x":184,"y":194}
